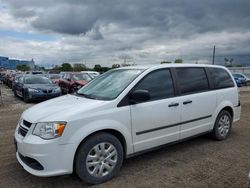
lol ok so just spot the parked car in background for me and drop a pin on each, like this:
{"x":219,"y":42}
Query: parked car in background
{"x":241,"y":77}
{"x":34,"y":72}
{"x":2,"y":74}
{"x":34,"y":87}
{"x":15,"y":80}
{"x":54,"y":78}
{"x":72,"y":81}
{"x":238,"y":82}
{"x":93,"y":74}
{"x":9,"y":79}
{"x":124,"y":112}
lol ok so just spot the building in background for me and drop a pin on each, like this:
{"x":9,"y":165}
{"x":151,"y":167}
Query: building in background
{"x":7,"y":63}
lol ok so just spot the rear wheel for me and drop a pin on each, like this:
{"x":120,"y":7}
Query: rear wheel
{"x":223,"y":124}
{"x":99,"y":158}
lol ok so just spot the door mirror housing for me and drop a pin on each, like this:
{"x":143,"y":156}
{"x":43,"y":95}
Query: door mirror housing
{"x":139,"y":96}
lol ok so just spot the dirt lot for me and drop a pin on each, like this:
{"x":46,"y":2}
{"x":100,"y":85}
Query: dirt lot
{"x":200,"y":162}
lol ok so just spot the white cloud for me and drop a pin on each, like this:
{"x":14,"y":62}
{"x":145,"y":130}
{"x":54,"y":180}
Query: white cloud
{"x":146,"y":31}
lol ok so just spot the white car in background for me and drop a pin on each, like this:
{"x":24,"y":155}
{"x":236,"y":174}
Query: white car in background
{"x":93,"y":74}
{"x":124,"y":112}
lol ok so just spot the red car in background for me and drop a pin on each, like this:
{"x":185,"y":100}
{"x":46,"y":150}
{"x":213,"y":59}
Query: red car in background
{"x":72,"y":81}
{"x":55,"y":78}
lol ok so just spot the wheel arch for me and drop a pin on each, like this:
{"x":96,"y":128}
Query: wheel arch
{"x":226,"y":106}
{"x":230,"y":110}
{"x":113,"y":132}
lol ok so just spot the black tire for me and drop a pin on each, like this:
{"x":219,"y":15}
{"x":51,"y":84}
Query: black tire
{"x":25,"y":97}
{"x":83,"y":151}
{"x":217,"y":131}
{"x":14,"y":91}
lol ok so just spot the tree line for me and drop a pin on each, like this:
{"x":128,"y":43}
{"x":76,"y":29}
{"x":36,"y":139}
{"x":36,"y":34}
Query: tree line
{"x":67,"y":67}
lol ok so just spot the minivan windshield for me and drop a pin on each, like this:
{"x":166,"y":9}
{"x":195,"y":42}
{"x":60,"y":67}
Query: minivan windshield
{"x":110,"y":84}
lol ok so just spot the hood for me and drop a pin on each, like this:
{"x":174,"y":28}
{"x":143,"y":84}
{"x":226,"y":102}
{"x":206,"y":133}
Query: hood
{"x":41,"y":86}
{"x":62,"y":108}
{"x":81,"y":82}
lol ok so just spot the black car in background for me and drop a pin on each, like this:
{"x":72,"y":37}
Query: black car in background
{"x":15,"y":80}
{"x":34,"y":87}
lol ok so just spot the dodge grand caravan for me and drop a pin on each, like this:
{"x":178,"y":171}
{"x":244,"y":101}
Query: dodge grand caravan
{"x":122,"y":113}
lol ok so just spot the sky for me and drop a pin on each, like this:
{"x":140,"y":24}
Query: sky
{"x":110,"y":32}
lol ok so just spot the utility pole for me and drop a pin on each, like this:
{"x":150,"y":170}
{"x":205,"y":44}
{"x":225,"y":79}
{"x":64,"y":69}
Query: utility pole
{"x":213,"y":55}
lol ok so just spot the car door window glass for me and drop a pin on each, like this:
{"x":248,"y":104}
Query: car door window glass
{"x":20,"y":80}
{"x":159,"y":84}
{"x":221,"y":78}
{"x":192,"y":80}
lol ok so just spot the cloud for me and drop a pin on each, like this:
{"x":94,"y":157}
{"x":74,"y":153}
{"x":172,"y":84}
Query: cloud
{"x":179,"y":17}
{"x":145,"y":30}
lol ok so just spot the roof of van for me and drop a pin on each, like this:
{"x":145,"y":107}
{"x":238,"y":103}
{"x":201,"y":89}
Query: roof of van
{"x":155,"y":66}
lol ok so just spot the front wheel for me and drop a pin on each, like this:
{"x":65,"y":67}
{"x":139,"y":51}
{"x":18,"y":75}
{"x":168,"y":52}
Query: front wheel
{"x":25,"y":97}
{"x":15,"y":94}
{"x":223,"y":124}
{"x":99,"y":158}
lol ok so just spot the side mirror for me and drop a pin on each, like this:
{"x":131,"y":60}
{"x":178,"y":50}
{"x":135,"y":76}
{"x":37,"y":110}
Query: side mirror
{"x":69,"y":79}
{"x":139,"y":96}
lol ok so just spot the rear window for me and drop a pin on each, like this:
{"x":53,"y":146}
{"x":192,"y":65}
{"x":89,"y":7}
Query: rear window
{"x":221,"y":78}
{"x":192,"y":80}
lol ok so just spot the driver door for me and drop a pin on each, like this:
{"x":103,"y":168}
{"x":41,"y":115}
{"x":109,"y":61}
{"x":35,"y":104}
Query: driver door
{"x":156,"y":122}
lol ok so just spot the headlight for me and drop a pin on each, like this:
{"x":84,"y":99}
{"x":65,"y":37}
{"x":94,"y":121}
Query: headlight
{"x":49,"y":130}
{"x":57,"y":90}
{"x":33,"y":90}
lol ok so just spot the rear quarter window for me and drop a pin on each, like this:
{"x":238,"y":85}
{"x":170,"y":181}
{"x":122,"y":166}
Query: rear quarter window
{"x":221,"y":78}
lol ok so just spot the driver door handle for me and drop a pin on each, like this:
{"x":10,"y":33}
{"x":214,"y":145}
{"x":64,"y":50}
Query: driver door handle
{"x":173,"y":104}
{"x":187,"y":102}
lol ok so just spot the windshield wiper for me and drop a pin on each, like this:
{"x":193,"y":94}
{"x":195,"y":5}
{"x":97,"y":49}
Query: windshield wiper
{"x":86,"y":96}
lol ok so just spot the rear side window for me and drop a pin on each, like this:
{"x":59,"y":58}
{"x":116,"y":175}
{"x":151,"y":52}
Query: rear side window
{"x":192,"y":80}
{"x":159,"y":84}
{"x":221,"y":78}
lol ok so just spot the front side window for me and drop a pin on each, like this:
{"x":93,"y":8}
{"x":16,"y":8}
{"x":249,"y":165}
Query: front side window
{"x":192,"y":80}
{"x":20,"y":80}
{"x":221,"y":78}
{"x":158,"y":83}
{"x":110,"y":84}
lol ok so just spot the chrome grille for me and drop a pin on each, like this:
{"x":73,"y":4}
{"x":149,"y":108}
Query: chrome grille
{"x":27,"y":124}
{"x":23,"y":131}
{"x":24,"y":127}
{"x":47,"y":91}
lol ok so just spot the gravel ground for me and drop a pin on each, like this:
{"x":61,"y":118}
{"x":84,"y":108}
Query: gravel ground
{"x":200,"y":162}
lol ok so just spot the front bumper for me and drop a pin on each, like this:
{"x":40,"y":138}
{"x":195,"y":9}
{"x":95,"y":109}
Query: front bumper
{"x":53,"y":157}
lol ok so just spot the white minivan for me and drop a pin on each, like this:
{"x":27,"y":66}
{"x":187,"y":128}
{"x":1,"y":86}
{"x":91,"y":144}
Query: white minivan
{"x":124,"y":112}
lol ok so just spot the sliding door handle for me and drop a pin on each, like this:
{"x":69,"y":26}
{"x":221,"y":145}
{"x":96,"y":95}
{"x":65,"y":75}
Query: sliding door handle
{"x":187,"y":102}
{"x":173,"y":104}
